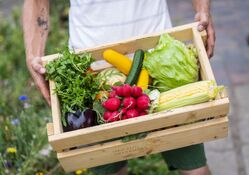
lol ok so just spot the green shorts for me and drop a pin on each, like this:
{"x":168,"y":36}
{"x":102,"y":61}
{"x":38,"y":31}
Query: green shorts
{"x":187,"y":158}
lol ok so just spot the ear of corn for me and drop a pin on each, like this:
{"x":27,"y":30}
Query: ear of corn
{"x":190,"y":94}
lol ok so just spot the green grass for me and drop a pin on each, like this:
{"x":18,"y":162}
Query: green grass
{"x":23,"y":121}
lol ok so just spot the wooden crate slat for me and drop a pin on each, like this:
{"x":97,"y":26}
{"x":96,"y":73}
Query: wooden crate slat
{"x":55,"y":107}
{"x":100,"y":65}
{"x":155,"y":142}
{"x":140,"y":124}
{"x":206,"y":70}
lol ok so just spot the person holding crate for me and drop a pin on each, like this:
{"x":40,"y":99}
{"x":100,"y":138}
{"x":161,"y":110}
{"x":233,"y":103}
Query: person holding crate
{"x":94,"y":22}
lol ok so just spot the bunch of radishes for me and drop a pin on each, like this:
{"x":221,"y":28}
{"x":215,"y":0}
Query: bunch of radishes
{"x":125,"y":102}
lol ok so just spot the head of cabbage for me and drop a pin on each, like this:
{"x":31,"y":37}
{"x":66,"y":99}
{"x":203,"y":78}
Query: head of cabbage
{"x":171,"y":64}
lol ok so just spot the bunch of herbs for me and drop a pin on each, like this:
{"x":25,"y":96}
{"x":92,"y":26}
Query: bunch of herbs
{"x":76,"y":85}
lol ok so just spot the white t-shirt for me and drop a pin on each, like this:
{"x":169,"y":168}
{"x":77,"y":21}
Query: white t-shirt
{"x":95,"y":22}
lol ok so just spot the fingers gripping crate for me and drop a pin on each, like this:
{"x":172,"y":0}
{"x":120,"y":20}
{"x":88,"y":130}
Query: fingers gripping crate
{"x":169,"y":129}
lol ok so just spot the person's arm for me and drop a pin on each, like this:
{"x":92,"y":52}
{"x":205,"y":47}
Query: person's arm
{"x":202,"y":9}
{"x":35,"y":20}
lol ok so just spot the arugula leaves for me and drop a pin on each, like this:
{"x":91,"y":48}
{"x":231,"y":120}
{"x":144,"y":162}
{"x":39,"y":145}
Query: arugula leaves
{"x":76,"y":85}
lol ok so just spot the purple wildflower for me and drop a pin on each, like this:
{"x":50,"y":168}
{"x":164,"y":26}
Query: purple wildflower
{"x":15,"y":121}
{"x":8,"y":164}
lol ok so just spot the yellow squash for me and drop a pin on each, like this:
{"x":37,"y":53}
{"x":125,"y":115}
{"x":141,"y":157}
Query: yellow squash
{"x":143,"y":79}
{"x":121,"y":62}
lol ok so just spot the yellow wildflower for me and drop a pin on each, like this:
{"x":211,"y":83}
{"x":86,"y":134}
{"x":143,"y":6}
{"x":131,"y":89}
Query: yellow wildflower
{"x":11,"y":150}
{"x":78,"y":172}
{"x":39,"y":173}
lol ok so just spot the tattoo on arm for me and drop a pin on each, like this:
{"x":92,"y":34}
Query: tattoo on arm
{"x":42,"y":22}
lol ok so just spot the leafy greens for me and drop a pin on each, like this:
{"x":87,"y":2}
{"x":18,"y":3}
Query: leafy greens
{"x":171,"y":63}
{"x":76,"y":85}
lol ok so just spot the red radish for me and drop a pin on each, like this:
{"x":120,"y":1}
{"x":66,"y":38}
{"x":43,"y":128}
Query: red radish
{"x":143,"y":113}
{"x":137,"y":91}
{"x":139,"y":110}
{"x":126,"y":90}
{"x":132,"y":113}
{"x":124,"y":117}
{"x":111,"y":104}
{"x":115,"y":116}
{"x":119,"y":91}
{"x":107,"y":115}
{"x":129,"y":102}
{"x":143,"y":102}
{"x":146,"y":96}
{"x":112,"y":94}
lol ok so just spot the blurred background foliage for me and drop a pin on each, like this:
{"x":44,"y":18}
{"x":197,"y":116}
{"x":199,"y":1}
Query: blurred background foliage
{"x":24,"y":148}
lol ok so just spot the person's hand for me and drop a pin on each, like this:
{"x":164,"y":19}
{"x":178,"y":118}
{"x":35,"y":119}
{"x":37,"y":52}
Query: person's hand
{"x":206,"y":23}
{"x":37,"y":72}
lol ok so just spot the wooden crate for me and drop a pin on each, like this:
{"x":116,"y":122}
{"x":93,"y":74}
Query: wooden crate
{"x":177,"y":128}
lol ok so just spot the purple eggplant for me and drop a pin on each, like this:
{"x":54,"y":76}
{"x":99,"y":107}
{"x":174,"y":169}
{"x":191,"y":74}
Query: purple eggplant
{"x":80,"y":119}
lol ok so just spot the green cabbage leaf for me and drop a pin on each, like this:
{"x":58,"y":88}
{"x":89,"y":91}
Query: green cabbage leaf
{"x":171,"y":64}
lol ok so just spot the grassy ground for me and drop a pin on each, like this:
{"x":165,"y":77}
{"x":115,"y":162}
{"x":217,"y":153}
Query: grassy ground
{"x":24,"y":148}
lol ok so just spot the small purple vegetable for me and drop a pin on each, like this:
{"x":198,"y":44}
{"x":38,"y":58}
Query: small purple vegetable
{"x":80,"y":119}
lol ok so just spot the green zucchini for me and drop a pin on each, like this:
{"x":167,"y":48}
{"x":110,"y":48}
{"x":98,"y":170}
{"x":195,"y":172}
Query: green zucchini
{"x":136,"y":67}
